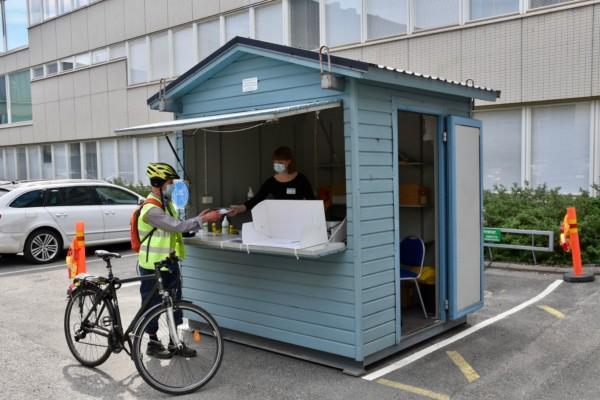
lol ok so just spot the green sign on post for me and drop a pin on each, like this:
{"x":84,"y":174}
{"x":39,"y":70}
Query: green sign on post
{"x":492,"y":235}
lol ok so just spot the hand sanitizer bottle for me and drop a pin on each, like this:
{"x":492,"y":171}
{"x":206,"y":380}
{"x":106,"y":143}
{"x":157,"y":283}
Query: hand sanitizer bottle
{"x":250,"y":193}
{"x":225,"y":226}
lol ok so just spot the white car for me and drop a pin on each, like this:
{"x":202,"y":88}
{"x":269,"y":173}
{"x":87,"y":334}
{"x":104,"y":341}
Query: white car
{"x":38,"y":218}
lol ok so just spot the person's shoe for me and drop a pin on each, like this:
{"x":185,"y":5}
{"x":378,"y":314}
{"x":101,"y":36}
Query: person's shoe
{"x":157,"y":350}
{"x":185,"y":351}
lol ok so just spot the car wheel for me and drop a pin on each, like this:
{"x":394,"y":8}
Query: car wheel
{"x":43,"y":246}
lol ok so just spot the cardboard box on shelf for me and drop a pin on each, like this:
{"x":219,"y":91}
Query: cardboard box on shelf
{"x":414,"y":194}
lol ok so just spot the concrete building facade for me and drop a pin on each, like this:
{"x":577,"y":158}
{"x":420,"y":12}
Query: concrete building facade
{"x":85,"y":68}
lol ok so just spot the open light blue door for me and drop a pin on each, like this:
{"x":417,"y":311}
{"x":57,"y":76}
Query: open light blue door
{"x":465,"y":199}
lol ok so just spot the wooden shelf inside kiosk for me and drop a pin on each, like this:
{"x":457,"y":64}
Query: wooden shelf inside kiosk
{"x":234,"y":243}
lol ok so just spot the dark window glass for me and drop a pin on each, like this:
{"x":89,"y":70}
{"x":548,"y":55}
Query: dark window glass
{"x":29,"y":199}
{"x":110,"y":196}
{"x":71,"y":196}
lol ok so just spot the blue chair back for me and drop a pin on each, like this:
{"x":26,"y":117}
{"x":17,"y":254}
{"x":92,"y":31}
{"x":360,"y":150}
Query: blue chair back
{"x":412,"y":251}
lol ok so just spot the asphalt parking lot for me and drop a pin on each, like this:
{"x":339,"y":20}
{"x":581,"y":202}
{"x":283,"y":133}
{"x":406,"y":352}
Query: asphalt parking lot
{"x":548,"y":349}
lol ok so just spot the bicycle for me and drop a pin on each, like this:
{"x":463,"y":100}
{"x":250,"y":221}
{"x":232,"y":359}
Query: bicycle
{"x":94,"y":330}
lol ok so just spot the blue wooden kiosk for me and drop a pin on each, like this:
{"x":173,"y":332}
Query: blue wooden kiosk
{"x":395,"y":153}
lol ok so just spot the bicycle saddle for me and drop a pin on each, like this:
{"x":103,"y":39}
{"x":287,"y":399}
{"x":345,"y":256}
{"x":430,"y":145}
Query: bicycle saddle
{"x":106,"y":254}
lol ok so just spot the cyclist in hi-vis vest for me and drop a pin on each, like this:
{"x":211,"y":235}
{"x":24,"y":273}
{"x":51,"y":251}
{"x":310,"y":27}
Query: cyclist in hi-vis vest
{"x":166,"y":239}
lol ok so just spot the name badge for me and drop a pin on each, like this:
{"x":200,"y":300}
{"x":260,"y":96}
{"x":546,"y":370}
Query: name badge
{"x":291,"y":191}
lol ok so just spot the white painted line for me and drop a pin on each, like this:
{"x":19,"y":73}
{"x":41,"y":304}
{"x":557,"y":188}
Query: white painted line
{"x":428,"y":350}
{"x":56,"y":266}
{"x":130,"y":284}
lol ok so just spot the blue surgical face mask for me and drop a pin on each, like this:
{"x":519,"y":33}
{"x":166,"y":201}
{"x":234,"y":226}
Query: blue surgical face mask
{"x":279,"y":167}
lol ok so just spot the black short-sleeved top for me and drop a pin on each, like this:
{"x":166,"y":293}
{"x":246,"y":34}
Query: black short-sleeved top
{"x":297,"y":189}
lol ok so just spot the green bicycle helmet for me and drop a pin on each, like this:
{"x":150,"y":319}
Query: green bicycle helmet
{"x":159,"y":173}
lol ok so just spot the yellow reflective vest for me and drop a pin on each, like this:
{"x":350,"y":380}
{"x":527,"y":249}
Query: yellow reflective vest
{"x":161,"y":243}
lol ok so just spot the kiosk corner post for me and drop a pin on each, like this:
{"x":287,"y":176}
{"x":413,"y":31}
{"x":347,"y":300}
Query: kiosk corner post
{"x":569,"y":240}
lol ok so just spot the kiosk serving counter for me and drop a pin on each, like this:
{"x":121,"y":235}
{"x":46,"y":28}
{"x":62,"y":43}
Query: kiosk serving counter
{"x":393,"y":154}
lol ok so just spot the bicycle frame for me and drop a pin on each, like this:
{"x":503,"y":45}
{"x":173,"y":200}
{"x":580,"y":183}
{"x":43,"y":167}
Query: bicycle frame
{"x":110,"y":293}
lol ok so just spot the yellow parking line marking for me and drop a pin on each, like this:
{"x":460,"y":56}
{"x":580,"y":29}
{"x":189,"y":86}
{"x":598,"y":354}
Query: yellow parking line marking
{"x":413,"y":389}
{"x":464,"y":366}
{"x":552,"y":311}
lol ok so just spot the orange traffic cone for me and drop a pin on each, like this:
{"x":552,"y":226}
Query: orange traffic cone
{"x":570,"y":242}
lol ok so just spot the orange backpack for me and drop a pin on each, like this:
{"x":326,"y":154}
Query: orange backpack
{"x":136,"y":242}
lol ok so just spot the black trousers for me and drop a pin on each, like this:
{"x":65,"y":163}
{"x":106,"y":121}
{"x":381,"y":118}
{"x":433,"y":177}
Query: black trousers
{"x":172,"y":282}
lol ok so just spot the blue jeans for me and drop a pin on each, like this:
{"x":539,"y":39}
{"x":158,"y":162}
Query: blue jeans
{"x":171,"y":282}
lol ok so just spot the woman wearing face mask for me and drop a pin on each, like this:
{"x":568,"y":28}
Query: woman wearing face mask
{"x":286,"y":184}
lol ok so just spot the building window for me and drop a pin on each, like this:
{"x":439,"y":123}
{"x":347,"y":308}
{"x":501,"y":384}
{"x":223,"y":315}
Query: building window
{"x":386,"y":18}
{"x":91,"y":160}
{"x":16,"y":23}
{"x":304,"y":24}
{"x":10,"y":164}
{"x":237,"y":25}
{"x":60,"y":161}
{"x":138,"y":64}
{"x":50,"y":10}
{"x":554,"y":129}
{"x":34,"y":161}
{"x":145,"y":155}
{"x":165,"y":154}
{"x":430,"y":14}
{"x":343,"y":21}
{"x":20,"y":96}
{"x":208,"y":38}
{"x":39,"y":10}
{"x":183,"y":41}
{"x":117,"y":51}
{"x":64,"y":6}
{"x":2,"y":176}
{"x":67,"y":64}
{"x":491,"y":8}
{"x":37,"y":72}
{"x":126,"y":160}
{"x":83,"y":60}
{"x":159,"y":56}
{"x":269,"y":23}
{"x":501,"y":147}
{"x":21,"y":163}
{"x":544,"y":3}
{"x":47,"y":161}
{"x":4,"y":118}
{"x":107,"y":160}
{"x":100,"y":56}
{"x":74,"y":161}
{"x":52,"y":68}
{"x":36,"y":11}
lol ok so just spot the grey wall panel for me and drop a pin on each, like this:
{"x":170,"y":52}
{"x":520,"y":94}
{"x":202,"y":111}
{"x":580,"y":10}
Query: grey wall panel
{"x":437,"y":55}
{"x":355,"y":54}
{"x":117,"y":110}
{"x":35,"y":44}
{"x":79,"y":31}
{"x":596,"y":53}
{"x":393,"y":54}
{"x":8,"y":63}
{"x":25,"y":134}
{"x":37,"y":94}
{"x":137,"y":108}
{"x":66,"y":89}
{"x":23,"y":59}
{"x":99,"y":79}
{"x":64,"y":37}
{"x":49,"y":40}
{"x":115,"y":21}
{"x":50,"y":89}
{"x":52,"y":121}
{"x":227,"y":5}
{"x":179,"y":11}
{"x":81,"y":81}
{"x":557,"y":55}
{"x":135,"y":23}
{"x":205,"y":8}
{"x":491,"y":56}
{"x":96,"y":15}
{"x":100,"y":120}
{"x":67,"y":120}
{"x":157,"y":16}
{"x":39,"y":124}
{"x":83,"y":117}
{"x":117,"y":75}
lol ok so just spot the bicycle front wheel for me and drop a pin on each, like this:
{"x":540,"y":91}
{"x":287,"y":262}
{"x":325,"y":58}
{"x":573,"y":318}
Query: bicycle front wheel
{"x":87,"y":326}
{"x":173,"y":371}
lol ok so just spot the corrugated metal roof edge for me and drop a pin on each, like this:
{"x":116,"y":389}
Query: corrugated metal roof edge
{"x":312,"y":55}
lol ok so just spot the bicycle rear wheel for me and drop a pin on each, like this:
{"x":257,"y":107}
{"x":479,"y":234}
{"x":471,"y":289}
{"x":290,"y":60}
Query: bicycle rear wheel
{"x":179,"y":374}
{"x":86,"y":344}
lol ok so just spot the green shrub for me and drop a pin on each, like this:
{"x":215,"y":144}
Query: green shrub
{"x":140,"y":189}
{"x":542,"y":208}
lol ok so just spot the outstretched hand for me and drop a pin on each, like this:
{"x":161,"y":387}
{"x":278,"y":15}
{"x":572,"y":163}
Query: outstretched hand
{"x":209,"y":215}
